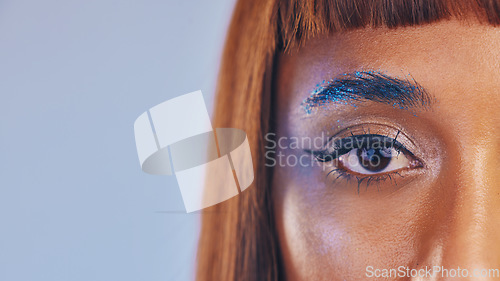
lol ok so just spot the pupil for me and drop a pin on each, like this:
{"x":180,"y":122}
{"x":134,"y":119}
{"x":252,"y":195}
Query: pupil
{"x":374,"y":160}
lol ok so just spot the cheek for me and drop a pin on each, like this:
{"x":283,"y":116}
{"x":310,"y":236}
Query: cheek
{"x":328,"y":230}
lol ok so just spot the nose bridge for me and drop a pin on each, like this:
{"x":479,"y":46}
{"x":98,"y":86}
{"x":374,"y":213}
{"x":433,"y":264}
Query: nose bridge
{"x":472,"y":238}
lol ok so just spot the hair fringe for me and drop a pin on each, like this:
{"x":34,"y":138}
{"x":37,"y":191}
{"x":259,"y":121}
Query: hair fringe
{"x":300,"y":20}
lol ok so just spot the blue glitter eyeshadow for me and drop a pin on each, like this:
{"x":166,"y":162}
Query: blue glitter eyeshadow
{"x":360,"y":86}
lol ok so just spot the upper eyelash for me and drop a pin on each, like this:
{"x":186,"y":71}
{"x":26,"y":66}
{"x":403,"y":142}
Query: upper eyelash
{"x":325,"y":156}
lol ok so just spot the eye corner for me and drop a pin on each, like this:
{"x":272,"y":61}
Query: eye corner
{"x":416,"y":163}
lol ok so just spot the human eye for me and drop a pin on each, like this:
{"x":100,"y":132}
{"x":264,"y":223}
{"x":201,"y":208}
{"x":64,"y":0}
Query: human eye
{"x":376,"y":155}
{"x":367,"y":156}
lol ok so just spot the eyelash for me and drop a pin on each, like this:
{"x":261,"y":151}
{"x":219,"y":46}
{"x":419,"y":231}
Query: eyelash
{"x":371,"y":179}
{"x":362,"y":141}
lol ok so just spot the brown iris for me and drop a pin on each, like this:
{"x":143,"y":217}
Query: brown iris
{"x":374,"y":160}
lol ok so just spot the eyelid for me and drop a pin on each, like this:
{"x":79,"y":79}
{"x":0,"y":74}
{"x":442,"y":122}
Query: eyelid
{"x":353,"y":141}
{"x":387,"y":131}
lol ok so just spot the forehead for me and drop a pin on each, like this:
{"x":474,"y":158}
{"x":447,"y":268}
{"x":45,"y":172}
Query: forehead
{"x":450,"y":58}
{"x":430,"y":40}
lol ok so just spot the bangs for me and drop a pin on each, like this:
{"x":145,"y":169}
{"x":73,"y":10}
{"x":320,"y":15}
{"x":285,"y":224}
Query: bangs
{"x":299,"y":20}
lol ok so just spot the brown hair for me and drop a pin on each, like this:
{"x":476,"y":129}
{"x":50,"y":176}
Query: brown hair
{"x":238,"y":240}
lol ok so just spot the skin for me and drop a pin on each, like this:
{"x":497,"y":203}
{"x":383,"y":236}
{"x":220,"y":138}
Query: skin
{"x":446,"y":213}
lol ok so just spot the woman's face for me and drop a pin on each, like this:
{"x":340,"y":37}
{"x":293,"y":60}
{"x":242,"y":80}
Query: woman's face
{"x":394,"y":163}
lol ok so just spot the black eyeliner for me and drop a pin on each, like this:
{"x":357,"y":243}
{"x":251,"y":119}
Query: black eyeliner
{"x":344,"y":145}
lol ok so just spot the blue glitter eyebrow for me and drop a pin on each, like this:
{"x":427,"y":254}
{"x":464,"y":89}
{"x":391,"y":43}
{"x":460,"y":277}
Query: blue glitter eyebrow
{"x":361,"y":86}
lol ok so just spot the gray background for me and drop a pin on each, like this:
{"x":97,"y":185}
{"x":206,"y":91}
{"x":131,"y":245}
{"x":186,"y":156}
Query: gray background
{"x":74,"y":75}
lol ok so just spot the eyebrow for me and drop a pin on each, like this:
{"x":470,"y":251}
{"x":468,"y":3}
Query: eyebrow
{"x":361,"y":86}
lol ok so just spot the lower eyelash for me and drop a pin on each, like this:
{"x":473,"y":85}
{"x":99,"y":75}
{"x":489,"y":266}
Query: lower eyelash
{"x":371,"y":179}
